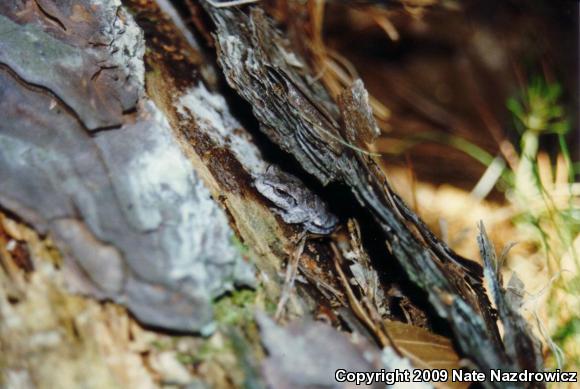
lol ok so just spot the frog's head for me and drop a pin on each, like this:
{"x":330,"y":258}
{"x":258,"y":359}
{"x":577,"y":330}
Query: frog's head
{"x":280,"y":188}
{"x":277,"y":193}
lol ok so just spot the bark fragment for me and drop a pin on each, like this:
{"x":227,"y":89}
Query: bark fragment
{"x":307,"y":355}
{"x":520,"y":344}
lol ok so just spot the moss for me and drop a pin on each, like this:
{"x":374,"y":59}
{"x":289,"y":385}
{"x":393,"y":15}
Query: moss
{"x":188,"y":359}
{"x":209,"y":350}
{"x":236,"y":308}
{"x":162,"y":345}
{"x":270,"y":307}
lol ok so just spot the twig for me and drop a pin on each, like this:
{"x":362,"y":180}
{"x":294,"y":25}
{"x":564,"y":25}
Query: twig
{"x":337,"y":138}
{"x":291,"y":270}
{"x":534,"y":297}
{"x":489,"y":179}
{"x":233,"y":3}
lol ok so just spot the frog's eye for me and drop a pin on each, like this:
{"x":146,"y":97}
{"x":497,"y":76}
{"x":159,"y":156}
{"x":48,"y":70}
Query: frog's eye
{"x":287,"y":196}
{"x":279,"y":192}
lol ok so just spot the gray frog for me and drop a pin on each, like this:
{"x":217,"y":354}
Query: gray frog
{"x":295,"y":203}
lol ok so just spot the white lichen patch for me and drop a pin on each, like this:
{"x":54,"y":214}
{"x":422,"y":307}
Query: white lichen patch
{"x":212,"y":116}
{"x":127,"y":48}
{"x":161,"y":194}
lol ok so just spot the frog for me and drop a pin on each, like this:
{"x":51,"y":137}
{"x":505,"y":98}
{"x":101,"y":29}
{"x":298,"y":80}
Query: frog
{"x":294,"y":202}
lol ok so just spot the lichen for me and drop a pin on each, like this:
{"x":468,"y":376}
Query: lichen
{"x":212,"y":116}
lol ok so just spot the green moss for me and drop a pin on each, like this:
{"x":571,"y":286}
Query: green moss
{"x":190,"y":359}
{"x":207,"y":351}
{"x":236,"y":308}
{"x":270,"y":307}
